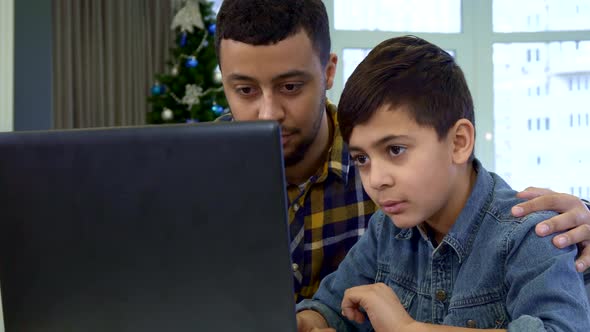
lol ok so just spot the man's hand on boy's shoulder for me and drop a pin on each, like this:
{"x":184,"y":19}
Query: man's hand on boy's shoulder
{"x":573,"y":217}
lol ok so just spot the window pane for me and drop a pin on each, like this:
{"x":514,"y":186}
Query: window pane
{"x":398,"y":15}
{"x":351,"y":57}
{"x":537,"y":15}
{"x":540,"y":111}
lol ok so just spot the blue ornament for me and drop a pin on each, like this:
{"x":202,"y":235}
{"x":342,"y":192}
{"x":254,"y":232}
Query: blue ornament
{"x":205,"y":43}
{"x":158,"y":89}
{"x":191,"y":62}
{"x":217,"y":109}
{"x":183,"y":39}
{"x":212,"y":28}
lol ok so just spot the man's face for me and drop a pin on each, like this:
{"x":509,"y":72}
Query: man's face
{"x":285,"y":82}
{"x":404,"y":167}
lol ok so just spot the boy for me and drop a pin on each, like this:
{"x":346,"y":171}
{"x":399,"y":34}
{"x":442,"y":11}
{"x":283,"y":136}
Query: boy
{"x":444,"y":247}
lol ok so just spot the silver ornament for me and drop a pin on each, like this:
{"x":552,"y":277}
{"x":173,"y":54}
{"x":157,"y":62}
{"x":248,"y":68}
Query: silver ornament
{"x":167,"y":114}
{"x":217,"y":77}
{"x":174,"y":71}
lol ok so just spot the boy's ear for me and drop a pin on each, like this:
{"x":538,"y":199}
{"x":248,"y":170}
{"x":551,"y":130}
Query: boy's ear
{"x":463,"y":141}
{"x":330,"y":70}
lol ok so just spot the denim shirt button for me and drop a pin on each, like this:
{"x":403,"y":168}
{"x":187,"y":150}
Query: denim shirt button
{"x":295,"y":267}
{"x":296,"y":207}
{"x":471,"y":324}
{"x":441,"y":295}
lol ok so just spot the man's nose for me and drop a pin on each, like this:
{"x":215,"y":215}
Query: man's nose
{"x":270,"y":109}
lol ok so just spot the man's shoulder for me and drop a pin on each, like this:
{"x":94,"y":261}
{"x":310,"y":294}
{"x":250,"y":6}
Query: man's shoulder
{"x":224,"y":118}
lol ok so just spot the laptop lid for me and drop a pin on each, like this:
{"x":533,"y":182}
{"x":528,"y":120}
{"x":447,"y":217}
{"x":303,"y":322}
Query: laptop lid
{"x":158,"y":228}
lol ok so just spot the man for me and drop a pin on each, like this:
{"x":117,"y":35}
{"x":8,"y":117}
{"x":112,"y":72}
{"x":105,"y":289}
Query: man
{"x":276,"y":64}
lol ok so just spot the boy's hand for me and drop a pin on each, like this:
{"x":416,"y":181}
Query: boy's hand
{"x":312,"y":321}
{"x":382,"y":306}
{"x":574,"y":217}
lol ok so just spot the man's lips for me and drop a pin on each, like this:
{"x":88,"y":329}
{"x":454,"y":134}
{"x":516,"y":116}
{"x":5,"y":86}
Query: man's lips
{"x":393,"y":207}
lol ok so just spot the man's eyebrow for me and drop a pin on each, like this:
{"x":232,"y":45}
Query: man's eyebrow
{"x":292,"y":74}
{"x":240,"y":77}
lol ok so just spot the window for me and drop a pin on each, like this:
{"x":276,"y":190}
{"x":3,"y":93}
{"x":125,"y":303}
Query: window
{"x":401,"y":15}
{"x":527,"y":64}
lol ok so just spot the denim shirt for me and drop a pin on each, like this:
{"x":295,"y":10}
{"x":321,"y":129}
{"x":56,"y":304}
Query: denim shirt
{"x":490,"y":271}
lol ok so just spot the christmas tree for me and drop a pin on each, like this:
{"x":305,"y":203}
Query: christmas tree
{"x":192,"y":90}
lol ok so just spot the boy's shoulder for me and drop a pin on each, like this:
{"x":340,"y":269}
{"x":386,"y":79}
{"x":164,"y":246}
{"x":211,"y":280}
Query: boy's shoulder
{"x":500,"y":207}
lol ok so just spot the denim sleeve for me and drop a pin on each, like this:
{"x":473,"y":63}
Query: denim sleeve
{"x":545,"y":292}
{"x":359,"y":267}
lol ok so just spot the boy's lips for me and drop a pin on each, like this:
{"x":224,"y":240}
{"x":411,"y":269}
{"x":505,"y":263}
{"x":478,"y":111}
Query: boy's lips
{"x":393,"y":207}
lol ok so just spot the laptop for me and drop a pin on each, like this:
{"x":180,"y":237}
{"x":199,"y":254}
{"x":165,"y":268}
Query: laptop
{"x":145,"y":229}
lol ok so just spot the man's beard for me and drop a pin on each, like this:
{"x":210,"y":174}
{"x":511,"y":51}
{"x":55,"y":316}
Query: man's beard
{"x":301,"y":149}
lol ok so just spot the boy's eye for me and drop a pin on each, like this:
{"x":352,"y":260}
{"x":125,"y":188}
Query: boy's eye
{"x":396,"y":150}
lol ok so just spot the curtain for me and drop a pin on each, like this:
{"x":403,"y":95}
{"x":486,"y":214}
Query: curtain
{"x":105,"y":55}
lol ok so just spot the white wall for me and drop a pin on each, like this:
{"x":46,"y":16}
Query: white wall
{"x":6,"y":65}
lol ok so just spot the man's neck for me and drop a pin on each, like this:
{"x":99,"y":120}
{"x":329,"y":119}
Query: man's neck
{"x":315,"y":157}
{"x":441,"y":222}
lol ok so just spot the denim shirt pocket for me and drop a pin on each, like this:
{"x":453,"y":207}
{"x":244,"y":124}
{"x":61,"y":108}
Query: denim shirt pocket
{"x":482,"y":310}
{"x":399,"y":284}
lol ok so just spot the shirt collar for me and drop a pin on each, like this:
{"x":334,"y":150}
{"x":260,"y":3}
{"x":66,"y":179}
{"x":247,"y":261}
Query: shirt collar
{"x":338,"y":162}
{"x":462,"y":234}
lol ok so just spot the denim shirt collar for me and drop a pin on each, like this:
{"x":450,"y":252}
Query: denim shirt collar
{"x":462,"y":234}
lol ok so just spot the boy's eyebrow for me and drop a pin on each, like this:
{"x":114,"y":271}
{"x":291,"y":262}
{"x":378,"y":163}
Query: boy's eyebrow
{"x":382,"y":141}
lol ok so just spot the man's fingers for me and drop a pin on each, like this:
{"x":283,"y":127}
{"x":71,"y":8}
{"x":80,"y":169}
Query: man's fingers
{"x":573,"y":236}
{"x":533,"y":192}
{"x":553,"y":202}
{"x":583,"y":261}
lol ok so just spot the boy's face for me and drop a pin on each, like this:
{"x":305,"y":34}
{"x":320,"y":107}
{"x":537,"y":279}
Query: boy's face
{"x":285,"y":82}
{"x":404,"y":167}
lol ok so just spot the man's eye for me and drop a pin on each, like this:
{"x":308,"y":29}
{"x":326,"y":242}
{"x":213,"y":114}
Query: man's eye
{"x":245,"y":90}
{"x":360,"y":160}
{"x":291,"y":87}
{"x":396,"y":150}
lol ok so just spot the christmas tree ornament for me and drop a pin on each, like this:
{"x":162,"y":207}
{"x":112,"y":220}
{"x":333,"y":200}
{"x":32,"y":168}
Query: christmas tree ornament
{"x":158,"y":89}
{"x":217,"y":78}
{"x":216,"y":109}
{"x":167,"y":114}
{"x":191,"y":62}
{"x":189,"y":17}
{"x":192,"y":95}
{"x":183,"y":37}
{"x":192,"y":82}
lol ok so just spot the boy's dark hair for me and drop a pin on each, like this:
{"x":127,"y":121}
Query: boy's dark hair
{"x":411,"y":72}
{"x":267,"y":22}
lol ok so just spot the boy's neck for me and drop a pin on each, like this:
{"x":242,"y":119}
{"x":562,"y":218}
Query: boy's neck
{"x":440,"y":223}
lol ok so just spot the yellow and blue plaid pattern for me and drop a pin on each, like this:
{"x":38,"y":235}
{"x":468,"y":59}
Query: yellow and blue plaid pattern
{"x":327,"y":215}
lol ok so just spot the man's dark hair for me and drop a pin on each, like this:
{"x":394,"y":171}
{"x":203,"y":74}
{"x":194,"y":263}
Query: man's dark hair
{"x":407,"y":72}
{"x":267,"y":22}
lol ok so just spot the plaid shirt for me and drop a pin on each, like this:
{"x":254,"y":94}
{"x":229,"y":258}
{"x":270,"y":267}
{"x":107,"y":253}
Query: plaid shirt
{"x":327,"y":215}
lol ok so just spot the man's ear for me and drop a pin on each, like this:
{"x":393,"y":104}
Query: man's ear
{"x":330,"y":70}
{"x":463,"y":138}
